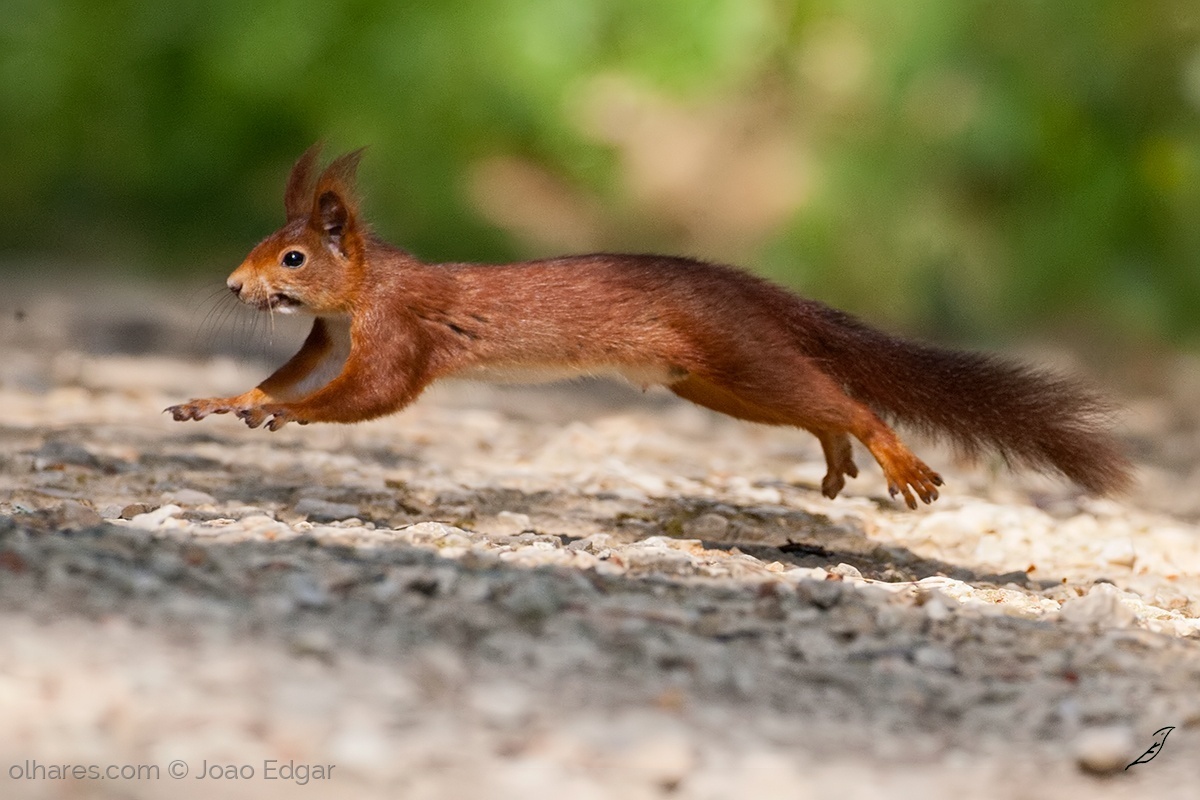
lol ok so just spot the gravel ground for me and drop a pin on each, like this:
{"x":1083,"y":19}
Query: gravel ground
{"x":576,"y":591}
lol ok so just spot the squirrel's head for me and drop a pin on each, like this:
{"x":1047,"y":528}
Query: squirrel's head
{"x":314,"y":262}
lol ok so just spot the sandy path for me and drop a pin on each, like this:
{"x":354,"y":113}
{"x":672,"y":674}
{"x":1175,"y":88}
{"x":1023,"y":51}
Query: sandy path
{"x":568,"y":592}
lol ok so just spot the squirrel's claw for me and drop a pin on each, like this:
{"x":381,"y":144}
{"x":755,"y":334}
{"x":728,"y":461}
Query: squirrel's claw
{"x":197,"y":410}
{"x":924,"y":486}
{"x":914,"y":477}
{"x":180,"y":413}
{"x":253,"y":416}
{"x":274,"y":416}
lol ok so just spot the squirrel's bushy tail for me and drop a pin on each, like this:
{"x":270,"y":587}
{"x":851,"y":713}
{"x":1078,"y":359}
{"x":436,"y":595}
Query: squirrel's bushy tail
{"x":1029,"y":416}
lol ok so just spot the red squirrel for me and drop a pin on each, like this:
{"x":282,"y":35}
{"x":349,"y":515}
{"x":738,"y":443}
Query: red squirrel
{"x":386,"y":325}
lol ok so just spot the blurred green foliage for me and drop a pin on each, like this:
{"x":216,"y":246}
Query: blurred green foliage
{"x":959,"y":165}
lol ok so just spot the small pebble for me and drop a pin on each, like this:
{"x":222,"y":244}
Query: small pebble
{"x":109,"y":511}
{"x":325,"y":511}
{"x":134,"y":509}
{"x":508,"y":523}
{"x":1101,"y":606}
{"x":153,"y":520}
{"x":1119,"y":552}
{"x":847,"y":571}
{"x":73,"y":516}
{"x":1104,"y":750}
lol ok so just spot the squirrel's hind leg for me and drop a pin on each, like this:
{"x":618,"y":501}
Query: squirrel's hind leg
{"x":903,"y":470}
{"x":794,"y":391}
{"x":839,"y":462}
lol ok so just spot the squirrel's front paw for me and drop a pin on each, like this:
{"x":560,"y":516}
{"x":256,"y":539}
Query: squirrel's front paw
{"x":253,"y":416}
{"x":274,"y":415}
{"x":199,"y":409}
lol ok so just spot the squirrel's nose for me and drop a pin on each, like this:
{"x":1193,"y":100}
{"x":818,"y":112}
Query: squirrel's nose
{"x":234,"y":286}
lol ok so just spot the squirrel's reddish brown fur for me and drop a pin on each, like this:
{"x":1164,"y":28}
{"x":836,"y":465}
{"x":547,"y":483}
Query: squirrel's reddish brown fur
{"x":387,"y":325}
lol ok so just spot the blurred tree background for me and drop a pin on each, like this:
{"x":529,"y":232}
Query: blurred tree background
{"x":959,"y":167}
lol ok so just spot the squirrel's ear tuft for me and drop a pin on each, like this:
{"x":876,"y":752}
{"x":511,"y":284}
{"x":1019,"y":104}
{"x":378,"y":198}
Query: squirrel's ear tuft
{"x":334,"y":210}
{"x":297,"y":198}
{"x":342,"y":169}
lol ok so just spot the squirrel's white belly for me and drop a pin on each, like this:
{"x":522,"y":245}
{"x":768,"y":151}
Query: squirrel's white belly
{"x":641,"y":375}
{"x":333,"y":360}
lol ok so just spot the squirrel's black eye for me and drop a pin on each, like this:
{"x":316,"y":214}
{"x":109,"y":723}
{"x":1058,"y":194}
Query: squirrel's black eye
{"x":293,"y":259}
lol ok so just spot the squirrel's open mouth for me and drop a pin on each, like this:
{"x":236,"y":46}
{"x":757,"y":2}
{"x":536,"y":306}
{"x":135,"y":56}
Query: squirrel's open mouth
{"x":280,"y":302}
